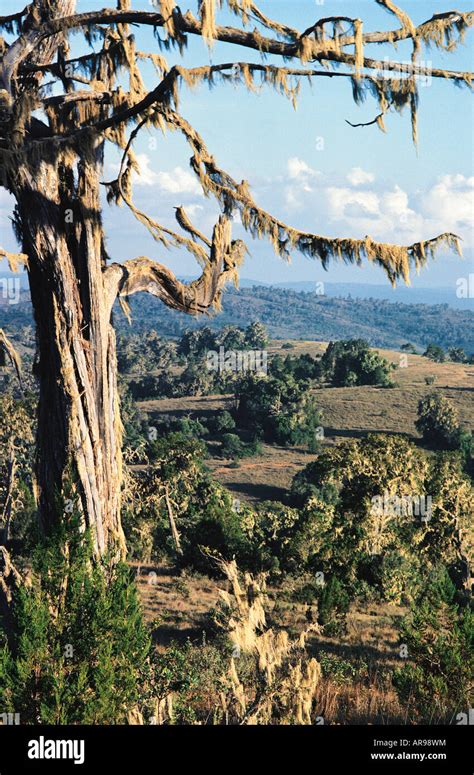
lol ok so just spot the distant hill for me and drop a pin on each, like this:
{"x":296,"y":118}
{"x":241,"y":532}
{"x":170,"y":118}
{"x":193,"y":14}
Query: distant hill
{"x":293,"y":314}
{"x":299,"y":315}
{"x":402,"y":294}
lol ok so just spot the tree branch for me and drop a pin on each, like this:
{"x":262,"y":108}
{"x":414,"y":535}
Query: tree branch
{"x":195,"y":298}
{"x":187,"y":24}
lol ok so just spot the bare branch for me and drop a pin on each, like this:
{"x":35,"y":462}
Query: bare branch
{"x":197,"y":297}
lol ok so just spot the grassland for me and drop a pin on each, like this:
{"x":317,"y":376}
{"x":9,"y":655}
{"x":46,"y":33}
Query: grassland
{"x":347,"y":413}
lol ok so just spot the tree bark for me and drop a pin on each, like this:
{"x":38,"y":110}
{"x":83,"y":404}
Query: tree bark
{"x":8,"y":505}
{"x":79,"y":428}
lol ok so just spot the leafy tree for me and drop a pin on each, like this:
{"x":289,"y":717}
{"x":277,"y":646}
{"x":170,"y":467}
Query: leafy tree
{"x":256,"y":336}
{"x":60,"y":111}
{"x":346,"y":364}
{"x":362,"y":500}
{"x":282,"y":410}
{"x":222,"y":421}
{"x":457,"y":355}
{"x":435,"y":353}
{"x":438,"y":421}
{"x":333,"y":604}
{"x":233,"y":338}
{"x":300,"y":367}
{"x":232,"y":446}
{"x":195,"y":343}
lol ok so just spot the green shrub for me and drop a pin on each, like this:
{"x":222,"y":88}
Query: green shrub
{"x":435,"y":353}
{"x":333,"y":604}
{"x":282,"y":410}
{"x":436,"y":683}
{"x":79,"y":650}
{"x":222,"y":421}
{"x":438,"y":421}
{"x":352,"y":362}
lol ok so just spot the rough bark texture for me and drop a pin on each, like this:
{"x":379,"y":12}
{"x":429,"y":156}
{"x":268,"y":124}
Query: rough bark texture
{"x":79,"y":431}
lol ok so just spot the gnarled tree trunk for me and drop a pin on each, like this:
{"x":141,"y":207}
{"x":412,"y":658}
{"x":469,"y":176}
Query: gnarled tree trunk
{"x":79,"y":429}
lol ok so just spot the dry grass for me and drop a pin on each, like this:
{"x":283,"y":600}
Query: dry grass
{"x":175,"y":607}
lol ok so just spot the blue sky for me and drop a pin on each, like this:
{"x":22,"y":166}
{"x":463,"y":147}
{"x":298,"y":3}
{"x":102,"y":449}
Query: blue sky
{"x":308,"y":166}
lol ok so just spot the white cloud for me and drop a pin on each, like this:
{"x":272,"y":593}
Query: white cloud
{"x":179,"y":181}
{"x":450,"y":202}
{"x":193,"y":209}
{"x":146,"y":176}
{"x":343,"y":202}
{"x":394,"y":215}
{"x":301,"y":176}
{"x":298,"y":168}
{"x":357,"y":176}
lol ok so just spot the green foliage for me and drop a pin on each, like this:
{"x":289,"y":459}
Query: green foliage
{"x":436,"y":683}
{"x":350,"y":363}
{"x":205,"y":512}
{"x":301,"y":367}
{"x":194,"y":675}
{"x":256,"y":336}
{"x":79,"y":652}
{"x":341,"y":671}
{"x":222,"y":421}
{"x":438,"y":421}
{"x":457,"y":355}
{"x":17,"y":433}
{"x":408,"y":347}
{"x":281,"y":410}
{"x":333,"y":604}
{"x":234,"y":448}
{"x":350,"y":497}
{"x":275,"y":534}
{"x":435,"y":353}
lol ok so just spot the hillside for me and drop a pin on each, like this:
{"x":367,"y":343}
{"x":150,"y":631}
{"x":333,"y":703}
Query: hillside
{"x":292,"y":315}
{"x":296,"y":315}
{"x":347,"y":413}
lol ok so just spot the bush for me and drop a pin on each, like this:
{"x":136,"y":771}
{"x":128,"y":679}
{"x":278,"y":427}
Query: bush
{"x":350,"y":363}
{"x":256,"y":336}
{"x":435,"y":685}
{"x":79,"y":651}
{"x":193,"y":674}
{"x":231,"y":446}
{"x":351,"y":504}
{"x":281,"y":410}
{"x":222,"y":421}
{"x":333,"y":604}
{"x":438,"y":421}
{"x":457,"y":355}
{"x":435,"y":353}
